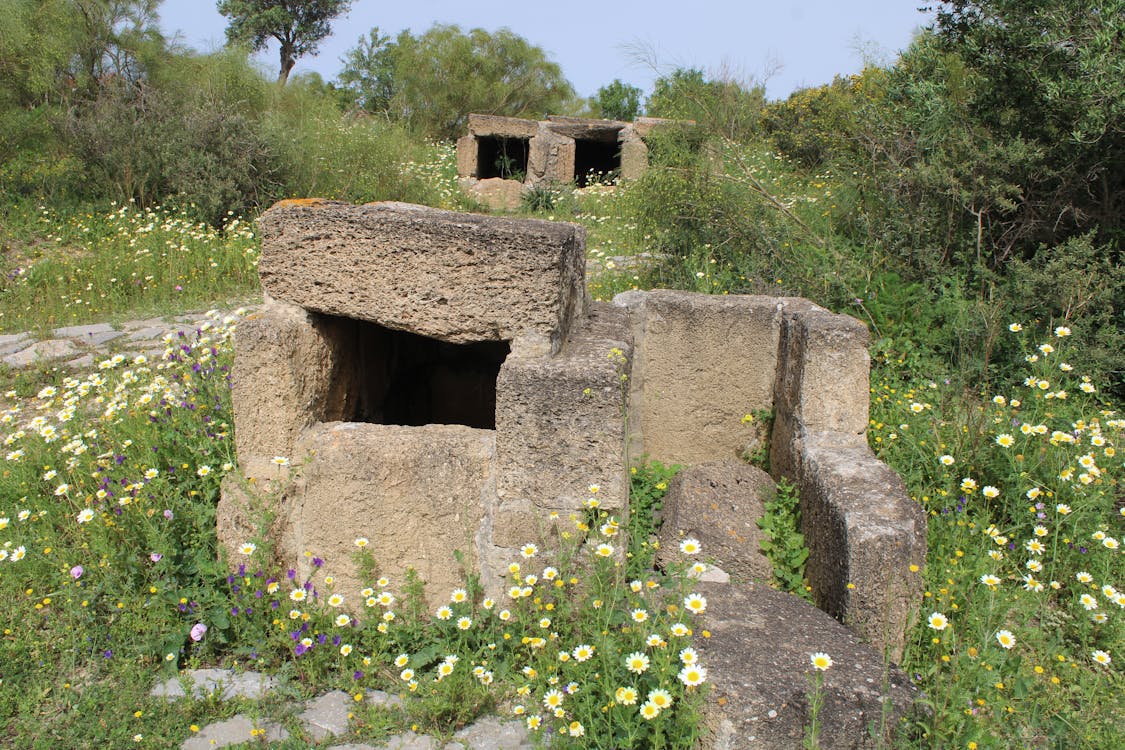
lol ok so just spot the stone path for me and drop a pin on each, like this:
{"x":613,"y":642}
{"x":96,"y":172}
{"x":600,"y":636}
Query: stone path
{"x":321,"y":718}
{"x":80,"y":346}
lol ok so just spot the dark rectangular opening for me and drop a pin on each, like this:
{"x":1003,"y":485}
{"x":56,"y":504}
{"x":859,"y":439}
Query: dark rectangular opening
{"x":502,"y":157}
{"x":402,"y":378}
{"x":596,"y":161}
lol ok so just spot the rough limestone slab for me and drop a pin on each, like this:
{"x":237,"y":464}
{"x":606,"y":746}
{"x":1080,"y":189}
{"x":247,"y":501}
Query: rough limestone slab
{"x":757,"y":660}
{"x":227,"y":684}
{"x":550,"y":158}
{"x":416,"y":493}
{"x":132,"y":325}
{"x":82,"y":332}
{"x":49,"y":350}
{"x":863,"y":531}
{"x":467,"y":156}
{"x":490,"y":733}
{"x":504,"y":127}
{"x":634,"y":158}
{"x":233,"y":732}
{"x":148,"y":333}
{"x":823,"y":372}
{"x":560,"y":427}
{"x":291,"y":370}
{"x":327,"y":715}
{"x":644,"y":126}
{"x":702,"y":363}
{"x":719,"y":504}
{"x":451,"y":276}
{"x":383,"y":698}
{"x":497,"y":193}
{"x":410,"y":741}
{"x":12,"y":342}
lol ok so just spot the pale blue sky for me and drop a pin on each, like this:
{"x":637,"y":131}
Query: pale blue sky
{"x":804,"y":42}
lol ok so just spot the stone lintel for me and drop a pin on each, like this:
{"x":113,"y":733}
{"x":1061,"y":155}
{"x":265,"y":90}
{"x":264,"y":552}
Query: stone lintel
{"x":450,"y":276}
{"x":502,"y":127}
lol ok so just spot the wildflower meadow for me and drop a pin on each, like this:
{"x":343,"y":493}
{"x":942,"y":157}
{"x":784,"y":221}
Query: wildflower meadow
{"x":113,"y":579}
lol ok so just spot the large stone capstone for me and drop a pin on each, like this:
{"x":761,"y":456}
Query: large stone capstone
{"x":450,"y":276}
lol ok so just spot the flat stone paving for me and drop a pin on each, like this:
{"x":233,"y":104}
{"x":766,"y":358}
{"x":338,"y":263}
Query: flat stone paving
{"x":321,"y":718}
{"x":76,"y":347}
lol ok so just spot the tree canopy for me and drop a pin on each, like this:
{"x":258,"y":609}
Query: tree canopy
{"x":724,"y":106}
{"x":618,"y":101}
{"x":297,"y":25}
{"x":433,"y":81}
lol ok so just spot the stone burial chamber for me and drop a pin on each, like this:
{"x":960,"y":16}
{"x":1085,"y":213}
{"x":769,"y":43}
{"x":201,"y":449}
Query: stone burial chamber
{"x":502,"y":157}
{"x":441,"y":381}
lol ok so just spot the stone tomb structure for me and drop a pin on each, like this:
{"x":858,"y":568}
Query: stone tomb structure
{"x":502,"y":156}
{"x":441,"y":381}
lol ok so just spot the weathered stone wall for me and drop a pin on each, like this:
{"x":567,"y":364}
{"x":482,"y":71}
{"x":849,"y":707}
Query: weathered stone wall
{"x":862,"y":529}
{"x":701,"y":363}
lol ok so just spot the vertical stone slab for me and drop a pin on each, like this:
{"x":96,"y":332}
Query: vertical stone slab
{"x":702,"y":363}
{"x":560,"y":427}
{"x":291,"y":369}
{"x":863,"y":533}
{"x":550,"y":158}
{"x":467,"y":156}
{"x":634,"y":158}
{"x":862,"y":530}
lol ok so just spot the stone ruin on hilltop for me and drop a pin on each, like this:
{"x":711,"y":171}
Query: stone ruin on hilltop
{"x":442,"y":381}
{"x":502,"y":157}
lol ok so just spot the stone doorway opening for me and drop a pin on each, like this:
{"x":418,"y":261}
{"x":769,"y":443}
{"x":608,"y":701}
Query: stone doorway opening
{"x":503,"y":157}
{"x":410,"y":380}
{"x":595,"y":160}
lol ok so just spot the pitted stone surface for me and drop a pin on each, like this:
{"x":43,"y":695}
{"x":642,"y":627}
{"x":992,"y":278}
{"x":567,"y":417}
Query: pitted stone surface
{"x":382,"y":698}
{"x":86,"y":332}
{"x":233,"y":732}
{"x":702,"y":363}
{"x":758,"y":662}
{"x":13,"y":342}
{"x":490,"y":733}
{"x":450,"y":276}
{"x":226,"y":683}
{"x":368,"y":480}
{"x":719,"y":504}
{"x":48,"y":350}
{"x":327,"y":715}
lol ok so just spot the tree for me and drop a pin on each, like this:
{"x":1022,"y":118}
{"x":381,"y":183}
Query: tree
{"x":297,"y":25}
{"x":433,"y":81}
{"x":723,"y":106}
{"x":618,"y":101}
{"x":1051,"y":77}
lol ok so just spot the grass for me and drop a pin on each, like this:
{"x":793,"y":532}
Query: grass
{"x":1023,"y":490}
{"x":80,"y":267}
{"x":1014,"y":646}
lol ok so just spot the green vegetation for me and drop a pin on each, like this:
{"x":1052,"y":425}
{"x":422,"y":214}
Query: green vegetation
{"x":963,"y":202}
{"x":432,"y":82}
{"x":618,"y":101}
{"x":785,"y":544}
{"x":297,"y":28}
